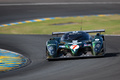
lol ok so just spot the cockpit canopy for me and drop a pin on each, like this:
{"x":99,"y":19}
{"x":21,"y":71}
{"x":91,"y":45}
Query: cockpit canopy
{"x":76,"y":35}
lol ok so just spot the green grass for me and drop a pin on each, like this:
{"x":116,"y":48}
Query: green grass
{"x":110,"y":23}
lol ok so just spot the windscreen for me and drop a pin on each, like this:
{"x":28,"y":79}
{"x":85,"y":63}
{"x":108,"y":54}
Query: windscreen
{"x":75,"y":36}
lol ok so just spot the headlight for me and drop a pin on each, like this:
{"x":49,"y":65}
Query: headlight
{"x":50,"y":48}
{"x":97,"y":45}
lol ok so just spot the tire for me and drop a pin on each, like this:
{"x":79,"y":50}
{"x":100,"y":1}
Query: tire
{"x":47,"y":56}
{"x":104,"y":47}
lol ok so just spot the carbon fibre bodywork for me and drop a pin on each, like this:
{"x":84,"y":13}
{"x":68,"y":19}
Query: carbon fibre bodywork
{"x":74,"y":44}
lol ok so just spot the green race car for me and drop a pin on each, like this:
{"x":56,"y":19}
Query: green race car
{"x":75,"y":44}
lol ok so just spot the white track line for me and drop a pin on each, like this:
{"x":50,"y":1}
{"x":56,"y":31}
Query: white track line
{"x":61,"y":3}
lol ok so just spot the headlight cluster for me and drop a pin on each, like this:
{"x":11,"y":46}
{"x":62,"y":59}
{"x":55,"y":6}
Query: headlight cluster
{"x":97,"y":45}
{"x":50,"y":48}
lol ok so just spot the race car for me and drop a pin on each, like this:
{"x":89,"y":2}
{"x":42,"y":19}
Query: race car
{"x":75,"y":44}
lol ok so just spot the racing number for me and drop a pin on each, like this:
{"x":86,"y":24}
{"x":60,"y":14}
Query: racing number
{"x":74,"y":47}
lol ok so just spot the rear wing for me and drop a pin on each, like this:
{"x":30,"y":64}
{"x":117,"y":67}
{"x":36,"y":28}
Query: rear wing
{"x":87,"y":31}
{"x":94,"y":31}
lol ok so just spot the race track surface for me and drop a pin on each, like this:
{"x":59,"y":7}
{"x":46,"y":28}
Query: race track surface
{"x":33,"y":46}
{"x":51,"y":1}
{"x":9,"y":14}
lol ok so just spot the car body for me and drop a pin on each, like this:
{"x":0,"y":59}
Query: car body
{"x":75,"y":44}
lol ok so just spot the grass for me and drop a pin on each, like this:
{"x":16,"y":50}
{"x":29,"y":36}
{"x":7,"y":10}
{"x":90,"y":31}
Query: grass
{"x":110,"y":23}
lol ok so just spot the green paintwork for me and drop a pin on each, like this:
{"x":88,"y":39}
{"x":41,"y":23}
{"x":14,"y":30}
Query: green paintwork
{"x":93,"y":46}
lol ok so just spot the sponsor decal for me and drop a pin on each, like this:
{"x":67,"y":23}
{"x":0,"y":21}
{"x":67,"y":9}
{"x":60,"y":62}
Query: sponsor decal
{"x":74,"y":47}
{"x":87,"y":45}
{"x":96,"y":39}
{"x":62,"y":46}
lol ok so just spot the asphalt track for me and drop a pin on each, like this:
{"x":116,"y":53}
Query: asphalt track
{"x":51,"y":1}
{"x":33,"y":47}
{"x":9,"y":14}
